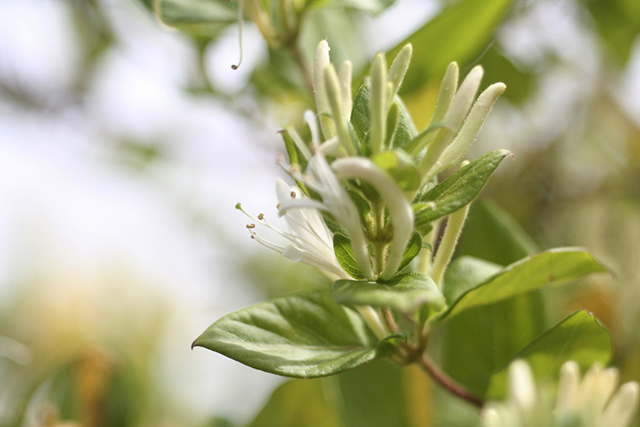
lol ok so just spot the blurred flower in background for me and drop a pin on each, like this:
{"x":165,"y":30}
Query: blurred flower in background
{"x":593,"y":401}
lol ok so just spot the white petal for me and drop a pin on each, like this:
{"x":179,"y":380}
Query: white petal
{"x":491,"y":418}
{"x":622,"y":408}
{"x":568,"y":387}
{"x":399,"y":207}
{"x":310,"y":119}
{"x":521,"y":384}
{"x":292,"y":253}
{"x":321,"y":179}
{"x":292,"y":204}
{"x":283,"y":190}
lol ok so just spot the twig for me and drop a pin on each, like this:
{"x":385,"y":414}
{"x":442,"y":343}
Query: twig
{"x":446,"y":382}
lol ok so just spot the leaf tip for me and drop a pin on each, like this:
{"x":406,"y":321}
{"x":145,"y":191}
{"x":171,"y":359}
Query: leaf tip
{"x":197,"y":343}
{"x":506,"y":153}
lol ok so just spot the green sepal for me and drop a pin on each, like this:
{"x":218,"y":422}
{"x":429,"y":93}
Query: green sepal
{"x":579,"y":337}
{"x":554,"y":267}
{"x":346,"y":259}
{"x":405,"y":293}
{"x":306,"y":335}
{"x":458,"y":190}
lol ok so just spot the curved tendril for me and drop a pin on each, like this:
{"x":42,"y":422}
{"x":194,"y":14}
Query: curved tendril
{"x":240,"y":6}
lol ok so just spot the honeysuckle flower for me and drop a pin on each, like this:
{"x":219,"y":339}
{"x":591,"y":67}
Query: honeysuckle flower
{"x":320,"y":178}
{"x":309,"y":239}
{"x":589,"y":402}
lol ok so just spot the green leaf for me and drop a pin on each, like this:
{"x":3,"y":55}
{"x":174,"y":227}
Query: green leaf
{"x":405,"y":130}
{"x":483,"y":339}
{"x":299,"y":403}
{"x":198,"y":16}
{"x":400,"y":166}
{"x":413,"y":249}
{"x":478,"y":341}
{"x":458,"y":190}
{"x":373,"y":396}
{"x":421,"y":227}
{"x":618,"y":24}
{"x":404,"y":293}
{"x":361,"y":112}
{"x":466,"y":273}
{"x":578,"y":337}
{"x":492,"y":234}
{"x":333,"y":226}
{"x":486,"y":326}
{"x":460,"y":33}
{"x":361,"y":119}
{"x":346,"y":259}
{"x":303,"y":336}
{"x":521,"y":83}
{"x":371,"y":6}
{"x":340,"y":28}
{"x":550,"y":268}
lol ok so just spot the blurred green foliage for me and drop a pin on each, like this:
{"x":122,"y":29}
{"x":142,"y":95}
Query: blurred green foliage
{"x":532,"y":205}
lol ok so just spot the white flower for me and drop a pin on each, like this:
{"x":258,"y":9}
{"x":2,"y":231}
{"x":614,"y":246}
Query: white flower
{"x":591,"y":401}
{"x":310,"y":241}
{"x":587,"y":403}
{"x":320,"y":178}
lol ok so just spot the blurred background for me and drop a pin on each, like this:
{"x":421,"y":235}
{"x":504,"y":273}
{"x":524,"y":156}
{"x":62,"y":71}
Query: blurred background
{"x":125,"y":144}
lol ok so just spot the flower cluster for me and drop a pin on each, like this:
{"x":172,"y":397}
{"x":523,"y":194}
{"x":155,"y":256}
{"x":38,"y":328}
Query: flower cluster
{"x":361,"y":177}
{"x":589,"y":402}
